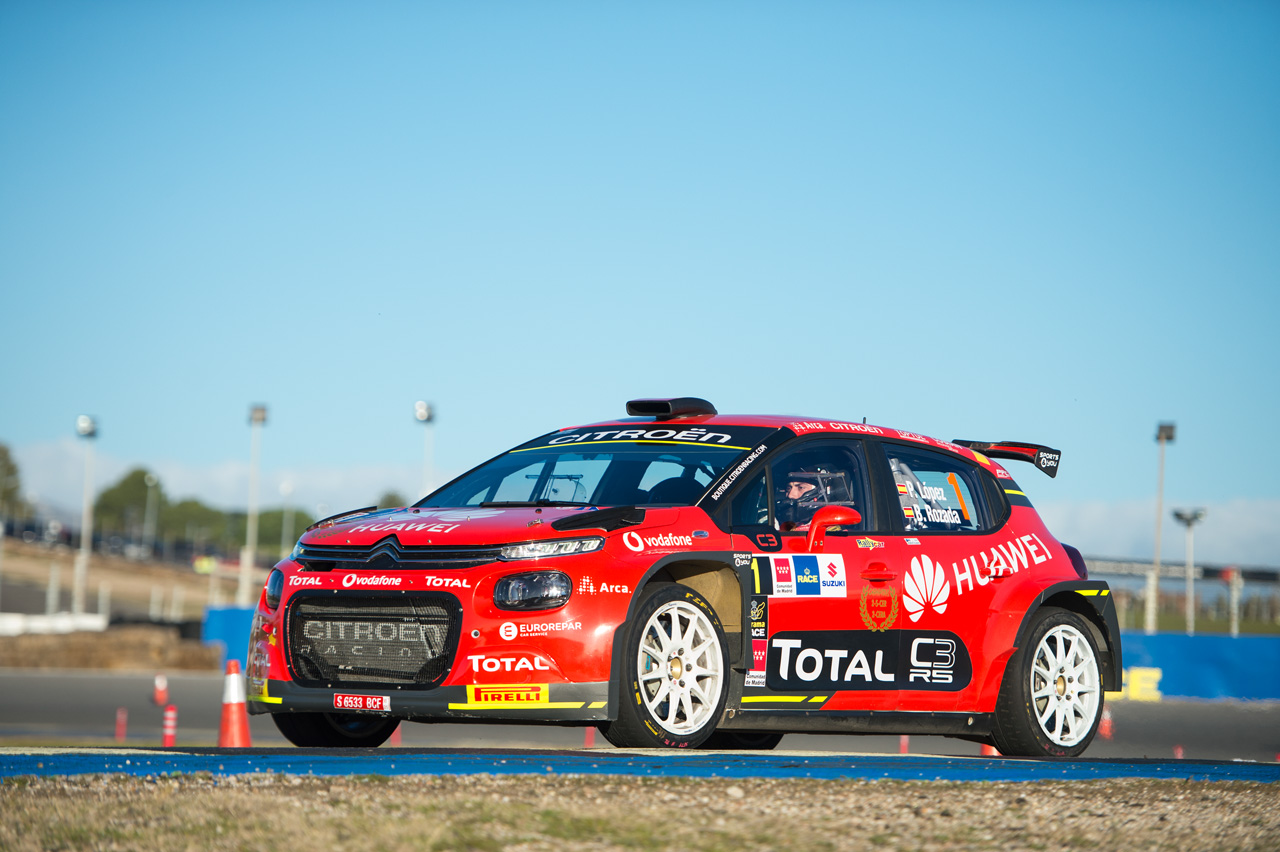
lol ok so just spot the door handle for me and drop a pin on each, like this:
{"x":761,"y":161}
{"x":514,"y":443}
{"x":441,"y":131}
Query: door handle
{"x":877,"y":572}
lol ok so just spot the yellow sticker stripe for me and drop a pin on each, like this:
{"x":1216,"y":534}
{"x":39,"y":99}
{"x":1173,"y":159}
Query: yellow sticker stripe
{"x":264,"y":698}
{"x":818,"y":698}
{"x":762,"y":699}
{"x":595,"y":705}
{"x":522,"y":705}
{"x":1092,"y":592}
{"x":628,"y":441}
{"x":1011,"y":491}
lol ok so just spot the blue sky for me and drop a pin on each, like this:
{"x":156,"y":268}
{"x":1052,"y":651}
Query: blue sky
{"x":1043,"y":222}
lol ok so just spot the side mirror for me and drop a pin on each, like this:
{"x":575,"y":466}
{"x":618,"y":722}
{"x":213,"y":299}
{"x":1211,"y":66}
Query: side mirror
{"x":829,"y":516}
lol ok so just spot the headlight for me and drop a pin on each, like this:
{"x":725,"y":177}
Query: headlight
{"x":296,"y":552}
{"x":275,"y":588}
{"x":558,"y":547}
{"x":535,"y":590}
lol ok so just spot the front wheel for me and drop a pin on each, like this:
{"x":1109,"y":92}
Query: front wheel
{"x":1050,"y":702}
{"x":676,"y":672}
{"x":334,"y":730}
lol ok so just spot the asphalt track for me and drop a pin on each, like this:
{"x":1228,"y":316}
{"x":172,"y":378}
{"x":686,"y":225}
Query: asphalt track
{"x":386,"y":762}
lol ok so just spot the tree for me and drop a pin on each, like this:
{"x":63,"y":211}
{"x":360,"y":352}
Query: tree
{"x":119,"y":509}
{"x":10,"y":483}
{"x":392,"y":500}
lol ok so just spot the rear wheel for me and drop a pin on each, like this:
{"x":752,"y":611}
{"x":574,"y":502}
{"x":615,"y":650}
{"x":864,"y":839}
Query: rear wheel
{"x":334,"y":730}
{"x":1051,"y":699}
{"x":676,"y":672}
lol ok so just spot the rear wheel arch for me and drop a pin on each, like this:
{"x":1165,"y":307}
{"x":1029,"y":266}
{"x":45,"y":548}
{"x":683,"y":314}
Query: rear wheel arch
{"x":1098,"y":617}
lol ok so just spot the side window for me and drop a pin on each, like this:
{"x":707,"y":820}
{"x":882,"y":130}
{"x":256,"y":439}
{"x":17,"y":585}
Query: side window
{"x":937,"y":493}
{"x":817,"y":474}
{"x":751,"y":505}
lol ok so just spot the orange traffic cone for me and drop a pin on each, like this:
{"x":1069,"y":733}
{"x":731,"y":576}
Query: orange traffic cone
{"x":160,"y":695}
{"x":234,"y":732}
{"x":1106,"y":727}
{"x":989,"y":751}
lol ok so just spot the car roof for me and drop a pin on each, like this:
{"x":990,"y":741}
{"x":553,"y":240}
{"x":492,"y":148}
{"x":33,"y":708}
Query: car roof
{"x":799,"y":425}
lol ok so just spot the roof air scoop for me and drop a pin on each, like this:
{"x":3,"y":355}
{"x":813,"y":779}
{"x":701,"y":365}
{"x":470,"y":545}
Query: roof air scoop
{"x":667,"y":409}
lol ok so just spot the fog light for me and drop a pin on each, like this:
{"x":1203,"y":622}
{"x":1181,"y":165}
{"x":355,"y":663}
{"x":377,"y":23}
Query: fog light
{"x":535,"y":590}
{"x":275,"y":588}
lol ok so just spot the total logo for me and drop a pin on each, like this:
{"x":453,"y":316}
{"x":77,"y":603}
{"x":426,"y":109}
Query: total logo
{"x":516,"y":663}
{"x":636,"y":544}
{"x":304,"y":581}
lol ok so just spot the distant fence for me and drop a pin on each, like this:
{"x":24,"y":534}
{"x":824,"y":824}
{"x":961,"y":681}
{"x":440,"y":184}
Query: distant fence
{"x":1173,"y":665}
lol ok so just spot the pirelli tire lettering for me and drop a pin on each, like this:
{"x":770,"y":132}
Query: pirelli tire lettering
{"x":929,"y":660}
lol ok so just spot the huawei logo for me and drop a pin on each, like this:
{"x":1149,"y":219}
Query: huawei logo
{"x":925,"y":586}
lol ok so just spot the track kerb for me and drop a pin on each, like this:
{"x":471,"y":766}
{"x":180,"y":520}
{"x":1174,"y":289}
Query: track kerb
{"x":234,"y":731}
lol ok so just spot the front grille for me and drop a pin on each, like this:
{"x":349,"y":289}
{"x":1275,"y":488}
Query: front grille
{"x":390,"y":555}
{"x":373,"y":639}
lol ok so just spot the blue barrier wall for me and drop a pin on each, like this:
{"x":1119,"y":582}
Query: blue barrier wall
{"x":1172,"y":665}
{"x":229,"y":627}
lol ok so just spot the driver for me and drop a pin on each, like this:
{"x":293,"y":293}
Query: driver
{"x":807,"y":490}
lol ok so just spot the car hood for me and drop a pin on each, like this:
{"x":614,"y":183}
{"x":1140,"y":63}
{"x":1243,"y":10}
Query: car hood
{"x":465,"y":526}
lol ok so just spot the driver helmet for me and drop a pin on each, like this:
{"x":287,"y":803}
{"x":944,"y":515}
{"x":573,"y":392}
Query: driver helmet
{"x":809,"y":488}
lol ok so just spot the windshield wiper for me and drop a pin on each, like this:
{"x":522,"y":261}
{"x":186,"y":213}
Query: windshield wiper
{"x":491,"y":504}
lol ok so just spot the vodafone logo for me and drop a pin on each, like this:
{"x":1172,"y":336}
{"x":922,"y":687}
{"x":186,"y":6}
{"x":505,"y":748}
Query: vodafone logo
{"x":356,"y":580}
{"x":635,"y":543}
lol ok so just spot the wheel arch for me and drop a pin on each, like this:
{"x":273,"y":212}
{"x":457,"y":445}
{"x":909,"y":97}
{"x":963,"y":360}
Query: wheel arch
{"x":1091,"y":600}
{"x":711,"y":574}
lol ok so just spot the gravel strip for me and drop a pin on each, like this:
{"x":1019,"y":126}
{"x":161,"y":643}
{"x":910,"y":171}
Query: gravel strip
{"x":483,"y":812}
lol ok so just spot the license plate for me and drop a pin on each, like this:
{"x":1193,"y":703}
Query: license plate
{"x":361,"y":702}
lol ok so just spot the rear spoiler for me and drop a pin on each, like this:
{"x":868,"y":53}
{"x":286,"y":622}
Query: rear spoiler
{"x":1045,"y":458}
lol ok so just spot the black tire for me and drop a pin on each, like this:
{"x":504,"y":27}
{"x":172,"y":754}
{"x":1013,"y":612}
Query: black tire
{"x":1051,"y":697}
{"x":652,"y":656}
{"x":741,"y":741}
{"x":334,"y":730}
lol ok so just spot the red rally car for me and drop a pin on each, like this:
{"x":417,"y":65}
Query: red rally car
{"x":681,"y":578}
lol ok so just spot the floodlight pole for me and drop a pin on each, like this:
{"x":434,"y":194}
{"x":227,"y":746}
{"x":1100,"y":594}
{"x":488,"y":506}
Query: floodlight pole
{"x":257,"y":417}
{"x":1190,"y":518}
{"x":425,"y":414}
{"x":149,"y":518}
{"x":1164,"y":434}
{"x":286,"y":520}
{"x":87,"y":428}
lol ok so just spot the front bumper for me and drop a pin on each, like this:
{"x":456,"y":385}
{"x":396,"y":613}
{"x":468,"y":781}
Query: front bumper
{"x":522,"y":702}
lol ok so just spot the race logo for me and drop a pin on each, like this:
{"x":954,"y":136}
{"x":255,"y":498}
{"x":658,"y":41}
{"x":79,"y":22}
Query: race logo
{"x":925,"y":660}
{"x":926,"y":586}
{"x":878,"y":607}
{"x":808,"y":581}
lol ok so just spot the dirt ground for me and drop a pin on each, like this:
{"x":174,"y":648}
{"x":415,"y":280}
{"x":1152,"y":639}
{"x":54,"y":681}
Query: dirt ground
{"x":270,"y":812}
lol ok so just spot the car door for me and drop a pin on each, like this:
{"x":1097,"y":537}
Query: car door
{"x":946,"y":569}
{"x":814,"y":633}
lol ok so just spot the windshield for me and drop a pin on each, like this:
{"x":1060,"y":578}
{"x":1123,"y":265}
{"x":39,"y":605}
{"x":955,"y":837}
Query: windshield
{"x":608,"y":467}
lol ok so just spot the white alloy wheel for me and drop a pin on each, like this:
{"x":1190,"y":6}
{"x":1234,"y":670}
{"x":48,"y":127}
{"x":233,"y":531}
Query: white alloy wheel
{"x":1066,"y":689}
{"x":680,"y":668}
